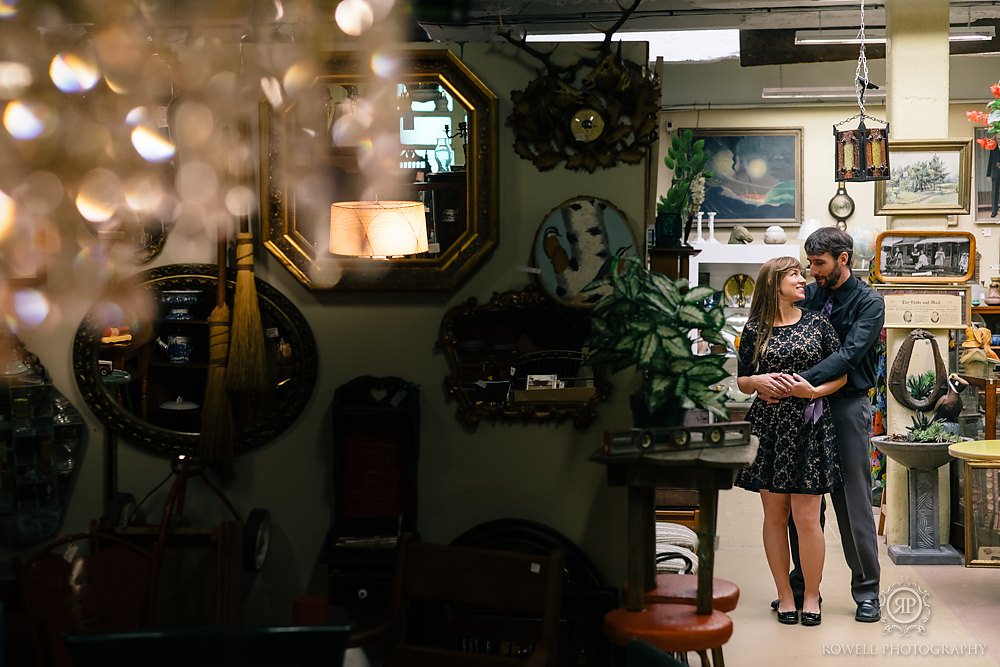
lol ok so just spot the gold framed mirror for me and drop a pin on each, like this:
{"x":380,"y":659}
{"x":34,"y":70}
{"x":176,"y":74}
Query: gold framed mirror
{"x":302,"y":172}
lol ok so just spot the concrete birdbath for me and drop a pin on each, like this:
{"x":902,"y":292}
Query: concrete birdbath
{"x":921,"y":459}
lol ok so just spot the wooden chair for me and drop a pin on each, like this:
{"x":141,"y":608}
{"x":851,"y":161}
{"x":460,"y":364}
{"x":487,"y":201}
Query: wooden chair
{"x":85,"y":582}
{"x":458,"y":606}
{"x":212,"y":646}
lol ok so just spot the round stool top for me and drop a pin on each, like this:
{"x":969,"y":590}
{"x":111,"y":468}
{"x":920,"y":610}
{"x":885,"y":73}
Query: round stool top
{"x":976,"y":450}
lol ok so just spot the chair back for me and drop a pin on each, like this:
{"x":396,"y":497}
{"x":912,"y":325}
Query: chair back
{"x":212,"y":646}
{"x":457,"y":605}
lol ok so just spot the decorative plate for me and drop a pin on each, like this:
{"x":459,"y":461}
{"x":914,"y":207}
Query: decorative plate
{"x":738,"y":290}
{"x":574,"y":246}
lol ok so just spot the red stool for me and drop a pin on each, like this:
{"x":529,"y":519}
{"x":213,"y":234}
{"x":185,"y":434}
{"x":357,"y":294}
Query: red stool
{"x":683,"y":589}
{"x":675,"y":628}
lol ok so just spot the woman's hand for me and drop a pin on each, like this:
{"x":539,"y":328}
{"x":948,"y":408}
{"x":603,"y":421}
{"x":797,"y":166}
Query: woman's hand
{"x":770,"y":387}
{"x":801,"y":388}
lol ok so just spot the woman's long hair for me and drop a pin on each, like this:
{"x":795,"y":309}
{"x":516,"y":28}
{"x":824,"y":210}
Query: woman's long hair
{"x":764,"y":306}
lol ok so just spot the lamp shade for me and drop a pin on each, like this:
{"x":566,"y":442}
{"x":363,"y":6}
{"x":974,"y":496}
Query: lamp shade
{"x":378,"y":228}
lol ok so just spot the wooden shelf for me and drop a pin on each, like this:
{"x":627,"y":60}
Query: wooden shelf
{"x":986,"y":310}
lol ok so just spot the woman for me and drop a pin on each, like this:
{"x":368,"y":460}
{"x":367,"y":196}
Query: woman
{"x":797,"y":458}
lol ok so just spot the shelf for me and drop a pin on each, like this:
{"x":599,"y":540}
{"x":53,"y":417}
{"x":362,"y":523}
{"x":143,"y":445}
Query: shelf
{"x":986,"y":310}
{"x":753,"y":254}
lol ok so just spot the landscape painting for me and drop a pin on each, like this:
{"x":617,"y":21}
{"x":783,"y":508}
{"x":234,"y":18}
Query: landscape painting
{"x":927,"y":177}
{"x":756,"y":176}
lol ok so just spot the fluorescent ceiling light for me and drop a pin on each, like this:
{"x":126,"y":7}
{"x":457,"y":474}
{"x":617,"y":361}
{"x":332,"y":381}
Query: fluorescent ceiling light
{"x":672,"y":45}
{"x":817,"y":93}
{"x":877,"y":35}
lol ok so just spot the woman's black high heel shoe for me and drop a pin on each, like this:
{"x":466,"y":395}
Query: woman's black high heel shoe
{"x":812,"y":618}
{"x":788,"y":617}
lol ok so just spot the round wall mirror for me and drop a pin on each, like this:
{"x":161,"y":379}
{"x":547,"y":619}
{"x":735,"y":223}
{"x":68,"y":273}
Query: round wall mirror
{"x":146,"y":378}
{"x":448,"y":134}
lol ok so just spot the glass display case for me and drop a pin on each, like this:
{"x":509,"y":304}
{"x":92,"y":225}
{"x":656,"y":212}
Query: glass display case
{"x":41,"y":438}
{"x":982,"y":515}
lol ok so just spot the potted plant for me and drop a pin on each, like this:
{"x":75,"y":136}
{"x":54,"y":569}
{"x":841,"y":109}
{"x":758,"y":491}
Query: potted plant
{"x":646,"y":321}
{"x":686,"y":159}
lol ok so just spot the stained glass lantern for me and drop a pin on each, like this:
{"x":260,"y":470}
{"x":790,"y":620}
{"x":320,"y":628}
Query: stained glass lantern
{"x":862,"y":153}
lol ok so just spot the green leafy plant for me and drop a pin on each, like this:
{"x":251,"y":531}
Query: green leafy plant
{"x":921,"y":386}
{"x":925,"y":429}
{"x":686,"y":158}
{"x":645,"y":322}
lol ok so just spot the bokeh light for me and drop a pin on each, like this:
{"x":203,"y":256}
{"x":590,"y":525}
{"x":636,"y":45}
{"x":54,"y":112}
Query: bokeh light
{"x":15,"y":78}
{"x":99,"y":195}
{"x":73,"y":73}
{"x":143,"y":193}
{"x":31,"y":306}
{"x":354,"y":17}
{"x":151,"y":145}
{"x":24,"y":119}
{"x":8,"y":212}
{"x":384,"y":65}
{"x":8,"y":9}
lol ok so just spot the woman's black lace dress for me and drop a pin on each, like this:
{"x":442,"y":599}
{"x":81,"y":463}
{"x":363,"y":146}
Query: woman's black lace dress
{"x":798,"y":449}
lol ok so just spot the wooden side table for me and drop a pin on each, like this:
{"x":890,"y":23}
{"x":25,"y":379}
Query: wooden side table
{"x":706,"y":470}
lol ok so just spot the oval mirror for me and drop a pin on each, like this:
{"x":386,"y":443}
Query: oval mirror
{"x":448,"y":135}
{"x":145,"y":378}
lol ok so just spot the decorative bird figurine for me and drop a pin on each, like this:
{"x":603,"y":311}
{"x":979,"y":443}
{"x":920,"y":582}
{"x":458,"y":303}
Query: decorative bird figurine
{"x":949,"y":406}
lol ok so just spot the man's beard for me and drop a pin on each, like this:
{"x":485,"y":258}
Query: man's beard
{"x":831,"y":278}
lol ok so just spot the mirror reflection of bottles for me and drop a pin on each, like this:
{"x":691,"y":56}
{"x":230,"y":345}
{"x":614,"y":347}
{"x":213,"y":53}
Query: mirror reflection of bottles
{"x":443,"y":155}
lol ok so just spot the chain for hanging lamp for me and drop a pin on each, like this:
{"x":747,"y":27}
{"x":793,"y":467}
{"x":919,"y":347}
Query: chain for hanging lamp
{"x":861,"y":153}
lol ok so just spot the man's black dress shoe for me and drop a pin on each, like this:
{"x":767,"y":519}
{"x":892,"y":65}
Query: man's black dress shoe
{"x":812,"y":618}
{"x":868,"y":611}
{"x":788,"y":617}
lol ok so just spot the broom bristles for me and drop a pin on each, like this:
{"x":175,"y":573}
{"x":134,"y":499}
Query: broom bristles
{"x":247,"y":369}
{"x":217,"y":440}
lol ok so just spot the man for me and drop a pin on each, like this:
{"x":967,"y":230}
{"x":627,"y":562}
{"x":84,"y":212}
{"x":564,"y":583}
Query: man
{"x":858,"y":314}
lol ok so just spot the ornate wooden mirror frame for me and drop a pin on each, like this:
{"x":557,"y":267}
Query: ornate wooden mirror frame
{"x":286,"y":162}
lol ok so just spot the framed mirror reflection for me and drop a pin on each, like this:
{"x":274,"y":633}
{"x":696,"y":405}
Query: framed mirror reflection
{"x":141,"y":361}
{"x":312,"y":155}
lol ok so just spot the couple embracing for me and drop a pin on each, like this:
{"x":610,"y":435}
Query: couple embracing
{"x":809,"y":353}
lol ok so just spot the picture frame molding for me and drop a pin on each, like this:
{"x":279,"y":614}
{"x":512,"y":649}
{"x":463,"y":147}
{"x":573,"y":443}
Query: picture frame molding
{"x":924,"y":279}
{"x":981,"y":184}
{"x":964,"y":149}
{"x":796,"y":134}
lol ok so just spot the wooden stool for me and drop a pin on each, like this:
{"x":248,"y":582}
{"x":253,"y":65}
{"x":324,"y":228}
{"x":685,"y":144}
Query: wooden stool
{"x":683,"y":589}
{"x":676,"y":628}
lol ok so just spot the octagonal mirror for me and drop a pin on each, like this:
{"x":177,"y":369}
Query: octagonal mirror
{"x":447,"y":121}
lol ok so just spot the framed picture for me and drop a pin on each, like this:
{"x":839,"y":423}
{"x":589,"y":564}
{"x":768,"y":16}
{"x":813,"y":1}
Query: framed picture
{"x":918,"y":256}
{"x":930,"y":307}
{"x":573,"y":246}
{"x":756,"y":176}
{"x":928,"y":177}
{"x":985,"y":181}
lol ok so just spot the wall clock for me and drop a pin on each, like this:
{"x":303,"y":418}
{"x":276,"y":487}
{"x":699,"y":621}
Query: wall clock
{"x":841,"y":206}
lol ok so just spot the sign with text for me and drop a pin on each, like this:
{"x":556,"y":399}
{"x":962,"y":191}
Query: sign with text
{"x":926,"y":307}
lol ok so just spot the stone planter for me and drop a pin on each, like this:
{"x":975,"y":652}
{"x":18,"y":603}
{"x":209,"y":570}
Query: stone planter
{"x":921,"y":459}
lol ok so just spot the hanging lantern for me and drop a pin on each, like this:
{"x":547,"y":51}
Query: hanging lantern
{"x":861,"y":153}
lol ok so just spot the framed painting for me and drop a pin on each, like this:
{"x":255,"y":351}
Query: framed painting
{"x":919,"y":256}
{"x":756,"y":176}
{"x":985,"y":181}
{"x":573,"y":246}
{"x":928,"y":177}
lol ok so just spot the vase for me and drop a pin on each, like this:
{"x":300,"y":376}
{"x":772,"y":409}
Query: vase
{"x":669,"y":228}
{"x":442,"y":155}
{"x":993,"y":294}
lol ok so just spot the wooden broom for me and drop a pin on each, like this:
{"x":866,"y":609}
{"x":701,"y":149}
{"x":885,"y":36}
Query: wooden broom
{"x":247,"y":371}
{"x":217,"y":441}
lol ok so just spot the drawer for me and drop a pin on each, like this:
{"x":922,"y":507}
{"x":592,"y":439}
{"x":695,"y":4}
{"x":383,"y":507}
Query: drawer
{"x":354,"y":589}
